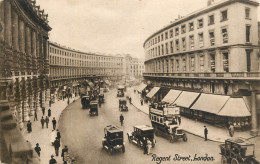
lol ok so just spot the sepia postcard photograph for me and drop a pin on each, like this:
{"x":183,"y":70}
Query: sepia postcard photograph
{"x":129,"y":81}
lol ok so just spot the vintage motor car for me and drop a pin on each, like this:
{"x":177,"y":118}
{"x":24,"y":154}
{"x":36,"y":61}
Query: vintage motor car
{"x":165,"y":122}
{"x":238,"y":150}
{"x":139,"y":133}
{"x":93,"y":108}
{"x":120,"y":91}
{"x":122,"y":105}
{"x":114,"y":139}
{"x":85,"y":100}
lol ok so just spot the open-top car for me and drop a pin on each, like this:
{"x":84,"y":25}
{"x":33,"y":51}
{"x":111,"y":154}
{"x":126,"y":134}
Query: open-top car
{"x":140,"y":132}
{"x":85,"y":102}
{"x":93,"y":108}
{"x":238,"y":150}
{"x":122,"y":105}
{"x":114,"y":139}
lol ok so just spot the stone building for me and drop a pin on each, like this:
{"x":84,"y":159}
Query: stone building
{"x":133,"y":67}
{"x":211,"y":51}
{"x":69,"y":67}
{"x":24,"y":68}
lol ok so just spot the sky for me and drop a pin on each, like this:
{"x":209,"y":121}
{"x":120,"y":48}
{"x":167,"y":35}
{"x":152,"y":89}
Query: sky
{"x":112,"y":26}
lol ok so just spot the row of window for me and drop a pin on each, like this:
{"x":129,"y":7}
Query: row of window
{"x":200,"y":24}
{"x":83,"y":56}
{"x":168,"y":47}
{"x":72,"y":62}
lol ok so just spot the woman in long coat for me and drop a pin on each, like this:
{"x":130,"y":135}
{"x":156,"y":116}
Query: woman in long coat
{"x":29,"y":126}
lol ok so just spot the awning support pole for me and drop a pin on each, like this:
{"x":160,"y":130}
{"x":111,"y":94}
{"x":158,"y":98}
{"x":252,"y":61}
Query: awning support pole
{"x":254,"y":130}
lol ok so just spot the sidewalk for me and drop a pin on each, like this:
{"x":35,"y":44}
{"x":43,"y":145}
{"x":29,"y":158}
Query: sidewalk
{"x":43,"y":136}
{"x":216,"y":134}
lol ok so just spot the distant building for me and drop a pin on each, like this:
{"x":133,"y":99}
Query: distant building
{"x":213,"y":51}
{"x":134,"y":67}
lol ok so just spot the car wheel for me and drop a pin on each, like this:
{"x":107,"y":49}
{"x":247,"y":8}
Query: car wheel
{"x":128,"y":137}
{"x":234,"y":161}
{"x":250,"y":161}
{"x":223,"y":159}
{"x":184,"y":138}
{"x":123,"y":148}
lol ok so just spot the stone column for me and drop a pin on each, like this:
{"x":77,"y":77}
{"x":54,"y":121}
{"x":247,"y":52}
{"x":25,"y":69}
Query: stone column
{"x":254,"y":130}
{"x":15,"y":40}
{"x":43,"y":99}
{"x":34,"y":55}
{"x":8,"y":23}
{"x":21,"y":35}
{"x":28,"y":48}
{"x":37,"y":101}
{"x":20,"y":114}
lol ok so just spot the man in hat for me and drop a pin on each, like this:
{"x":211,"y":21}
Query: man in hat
{"x":29,"y":126}
{"x":42,"y":122}
{"x":206,"y":133}
{"x":38,"y":149}
{"x":47,"y":121}
{"x":49,"y":112}
{"x":43,"y":111}
{"x":56,"y":146}
{"x":58,"y":134}
{"x":52,"y":160}
{"x":35,"y":116}
{"x":65,"y":149}
{"x":54,"y":123}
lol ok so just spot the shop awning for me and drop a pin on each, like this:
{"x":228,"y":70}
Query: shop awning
{"x":235,"y":107}
{"x":171,"y":96}
{"x":153,"y":92}
{"x":210,"y":103}
{"x":90,"y":84}
{"x":108,"y":83}
{"x":141,"y":87}
{"x":186,"y":99}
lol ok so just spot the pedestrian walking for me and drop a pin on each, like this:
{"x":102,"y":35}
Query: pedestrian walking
{"x":35,"y":116}
{"x":64,"y":150}
{"x":42,"y":122}
{"x":130,"y":100}
{"x":29,"y":126}
{"x":54,"y":123}
{"x":38,"y":149}
{"x":206,"y":133}
{"x":145,"y":145}
{"x":56,"y":146}
{"x":58,"y":134}
{"x":43,"y":111}
{"x":121,"y":119}
{"x":179,"y":120}
{"x":68,"y":102}
{"x":231,"y":130}
{"x":49,"y":103}
{"x":49,"y":112}
{"x":47,"y":120}
{"x":142,"y":102}
{"x":149,"y":146}
{"x":52,"y":160}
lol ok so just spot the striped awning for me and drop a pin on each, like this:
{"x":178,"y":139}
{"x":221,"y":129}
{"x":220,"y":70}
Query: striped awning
{"x":153,"y":92}
{"x":186,"y":99}
{"x":235,"y":107}
{"x":210,"y":103}
{"x":141,"y":87}
{"x":171,"y":96}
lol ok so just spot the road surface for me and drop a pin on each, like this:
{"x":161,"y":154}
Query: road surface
{"x":83,"y":135}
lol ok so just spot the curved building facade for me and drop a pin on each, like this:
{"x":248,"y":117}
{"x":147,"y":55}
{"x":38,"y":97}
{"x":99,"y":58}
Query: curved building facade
{"x":68,"y":67}
{"x":211,"y":51}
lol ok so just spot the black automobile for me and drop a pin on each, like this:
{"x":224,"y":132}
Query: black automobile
{"x":93,"y":108}
{"x":238,"y":150}
{"x":140,"y":132}
{"x":85,"y":102}
{"x":122,"y":105}
{"x":113,"y":139}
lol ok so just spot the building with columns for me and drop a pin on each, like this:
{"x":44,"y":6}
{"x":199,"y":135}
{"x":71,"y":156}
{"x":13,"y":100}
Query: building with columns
{"x":211,"y":51}
{"x":69,"y":67}
{"x":24,"y":67}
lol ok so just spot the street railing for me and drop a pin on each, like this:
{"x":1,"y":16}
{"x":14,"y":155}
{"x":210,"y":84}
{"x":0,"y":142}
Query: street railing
{"x":218,"y":75}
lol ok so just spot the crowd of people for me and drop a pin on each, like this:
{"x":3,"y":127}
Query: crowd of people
{"x":55,"y":134}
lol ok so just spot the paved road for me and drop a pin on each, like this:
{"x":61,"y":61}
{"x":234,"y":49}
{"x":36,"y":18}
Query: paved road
{"x":83,"y":135}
